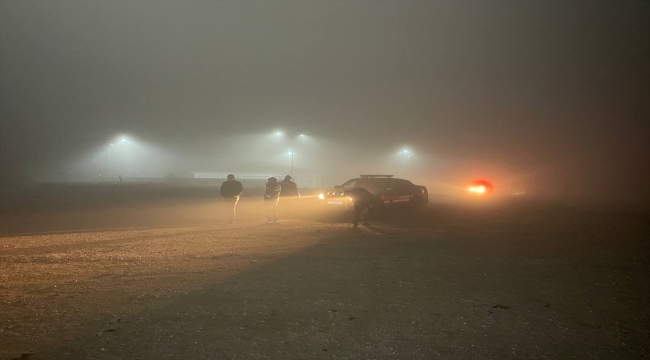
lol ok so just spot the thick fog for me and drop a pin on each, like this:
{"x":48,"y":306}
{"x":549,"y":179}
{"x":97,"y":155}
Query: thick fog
{"x":545,"y":98}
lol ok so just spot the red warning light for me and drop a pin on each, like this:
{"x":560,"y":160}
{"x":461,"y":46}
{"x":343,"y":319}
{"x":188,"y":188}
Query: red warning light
{"x":480,"y":187}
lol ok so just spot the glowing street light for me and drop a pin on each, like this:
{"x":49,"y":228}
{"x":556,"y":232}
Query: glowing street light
{"x":124,"y":140}
{"x":292,"y":143}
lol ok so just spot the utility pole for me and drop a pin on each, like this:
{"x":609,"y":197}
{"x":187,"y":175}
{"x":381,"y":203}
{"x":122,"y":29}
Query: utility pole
{"x":110,"y":171}
{"x":292,"y":143}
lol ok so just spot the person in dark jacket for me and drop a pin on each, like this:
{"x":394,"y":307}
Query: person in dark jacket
{"x":362,"y":199}
{"x":289,"y":194}
{"x":271,"y":199}
{"x":230,"y":190}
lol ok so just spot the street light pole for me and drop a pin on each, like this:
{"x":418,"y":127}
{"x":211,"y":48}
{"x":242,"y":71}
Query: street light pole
{"x":292,"y":143}
{"x":110,"y":146}
{"x":125,"y":164}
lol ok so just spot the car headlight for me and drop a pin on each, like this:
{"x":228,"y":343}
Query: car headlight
{"x":321,"y":196}
{"x":480,"y":187}
{"x":477,"y":189}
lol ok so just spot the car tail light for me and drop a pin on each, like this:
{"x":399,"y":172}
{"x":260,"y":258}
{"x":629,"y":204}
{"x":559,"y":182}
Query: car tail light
{"x":480,"y":187}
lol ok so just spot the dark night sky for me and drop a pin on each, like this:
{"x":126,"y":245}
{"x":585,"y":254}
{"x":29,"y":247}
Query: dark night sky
{"x":556,"y":93}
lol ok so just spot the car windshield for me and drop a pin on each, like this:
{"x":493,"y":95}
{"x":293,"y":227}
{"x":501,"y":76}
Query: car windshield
{"x":350,"y":184}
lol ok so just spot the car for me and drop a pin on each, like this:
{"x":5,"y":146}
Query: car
{"x":387,"y":190}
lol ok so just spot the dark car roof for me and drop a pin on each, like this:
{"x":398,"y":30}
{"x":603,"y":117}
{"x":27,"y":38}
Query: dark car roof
{"x":375,"y":182}
{"x":376,"y":179}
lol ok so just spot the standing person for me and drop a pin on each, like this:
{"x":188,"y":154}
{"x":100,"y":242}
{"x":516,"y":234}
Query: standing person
{"x":271,"y":199}
{"x":362,"y":199}
{"x":230,"y":190}
{"x":289,"y":194}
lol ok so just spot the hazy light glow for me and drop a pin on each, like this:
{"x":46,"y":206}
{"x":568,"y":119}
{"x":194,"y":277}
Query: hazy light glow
{"x":261,"y":83}
{"x":126,"y":155}
{"x":123,"y":139}
{"x":477,"y":189}
{"x":480,"y":187}
{"x":280,"y":133}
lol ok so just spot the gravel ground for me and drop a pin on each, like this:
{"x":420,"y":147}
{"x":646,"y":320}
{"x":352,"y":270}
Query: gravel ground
{"x":510,"y":282}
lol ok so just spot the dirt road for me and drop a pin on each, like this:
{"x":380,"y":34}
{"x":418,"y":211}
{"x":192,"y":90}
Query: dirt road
{"x":508,"y":283}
